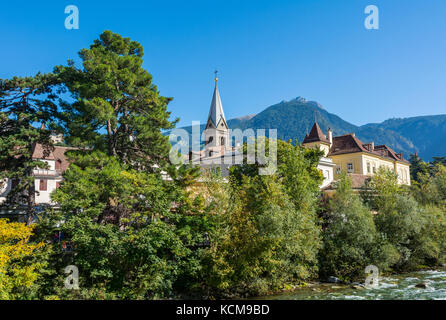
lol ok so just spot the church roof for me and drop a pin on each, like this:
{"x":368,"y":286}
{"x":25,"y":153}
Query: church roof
{"x":216,"y":113}
{"x":315,"y":135}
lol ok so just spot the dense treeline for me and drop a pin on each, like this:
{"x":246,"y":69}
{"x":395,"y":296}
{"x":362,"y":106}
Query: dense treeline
{"x":135,"y":235}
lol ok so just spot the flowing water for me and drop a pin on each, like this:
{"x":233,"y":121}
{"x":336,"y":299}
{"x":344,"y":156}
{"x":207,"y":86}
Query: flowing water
{"x":396,"y":287}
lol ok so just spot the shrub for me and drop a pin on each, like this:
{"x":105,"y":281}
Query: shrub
{"x":350,"y":239}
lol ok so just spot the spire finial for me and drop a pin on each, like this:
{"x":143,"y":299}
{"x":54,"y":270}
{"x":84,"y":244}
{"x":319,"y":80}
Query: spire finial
{"x":216,"y":77}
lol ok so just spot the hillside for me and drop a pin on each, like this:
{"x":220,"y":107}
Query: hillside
{"x":294,"y":118}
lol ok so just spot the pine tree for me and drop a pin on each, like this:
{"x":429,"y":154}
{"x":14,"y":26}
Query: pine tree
{"x":24,"y":104}
{"x":117,"y":108}
{"x":417,"y":166}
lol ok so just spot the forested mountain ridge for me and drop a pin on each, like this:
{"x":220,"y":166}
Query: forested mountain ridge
{"x":293,"y":119}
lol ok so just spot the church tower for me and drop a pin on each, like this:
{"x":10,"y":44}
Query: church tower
{"x":216,"y":134}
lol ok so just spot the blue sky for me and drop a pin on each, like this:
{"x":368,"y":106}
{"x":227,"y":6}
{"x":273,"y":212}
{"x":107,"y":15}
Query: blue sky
{"x":266,"y":51}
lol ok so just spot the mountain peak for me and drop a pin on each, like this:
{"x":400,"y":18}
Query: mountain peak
{"x":302,"y":101}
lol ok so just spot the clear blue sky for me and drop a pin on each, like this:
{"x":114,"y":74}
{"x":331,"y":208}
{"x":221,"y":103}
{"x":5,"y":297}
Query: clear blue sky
{"x":266,"y":51}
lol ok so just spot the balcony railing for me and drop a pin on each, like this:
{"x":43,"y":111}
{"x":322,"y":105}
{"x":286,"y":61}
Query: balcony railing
{"x":45,"y":172}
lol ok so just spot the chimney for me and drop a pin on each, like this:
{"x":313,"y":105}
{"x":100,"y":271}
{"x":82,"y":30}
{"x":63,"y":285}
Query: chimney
{"x":372,"y":146}
{"x":330,"y":136}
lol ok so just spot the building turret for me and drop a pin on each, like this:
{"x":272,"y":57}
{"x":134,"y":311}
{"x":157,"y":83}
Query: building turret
{"x":316,"y":139}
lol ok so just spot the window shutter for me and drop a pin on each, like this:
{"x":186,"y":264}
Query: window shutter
{"x":43,"y":185}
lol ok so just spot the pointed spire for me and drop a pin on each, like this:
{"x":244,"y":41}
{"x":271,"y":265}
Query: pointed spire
{"x":216,"y":113}
{"x":316,"y":134}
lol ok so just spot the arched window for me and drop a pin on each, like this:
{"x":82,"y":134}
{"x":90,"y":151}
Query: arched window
{"x":211,"y":138}
{"x":222,"y":141}
{"x":210,"y":153}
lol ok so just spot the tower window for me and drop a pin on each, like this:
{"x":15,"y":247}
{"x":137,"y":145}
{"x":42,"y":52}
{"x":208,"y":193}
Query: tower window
{"x":222,"y":141}
{"x":211,"y":138}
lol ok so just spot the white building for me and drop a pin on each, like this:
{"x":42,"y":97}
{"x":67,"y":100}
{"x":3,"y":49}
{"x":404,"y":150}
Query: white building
{"x":316,"y":139}
{"x":46,"y":179}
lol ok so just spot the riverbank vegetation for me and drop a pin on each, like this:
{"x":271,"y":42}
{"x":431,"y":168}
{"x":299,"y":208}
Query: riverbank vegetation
{"x":135,"y":235}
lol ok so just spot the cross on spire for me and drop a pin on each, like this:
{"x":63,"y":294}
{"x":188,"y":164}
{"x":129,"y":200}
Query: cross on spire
{"x":216,"y":76}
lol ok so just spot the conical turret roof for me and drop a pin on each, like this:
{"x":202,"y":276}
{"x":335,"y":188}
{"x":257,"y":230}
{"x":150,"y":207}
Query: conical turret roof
{"x":315,"y":135}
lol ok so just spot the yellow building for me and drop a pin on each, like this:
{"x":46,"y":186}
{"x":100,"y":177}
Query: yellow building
{"x":360,"y":159}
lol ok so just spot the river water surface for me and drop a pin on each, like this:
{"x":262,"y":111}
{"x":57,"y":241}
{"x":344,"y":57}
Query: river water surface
{"x":395,"y":287}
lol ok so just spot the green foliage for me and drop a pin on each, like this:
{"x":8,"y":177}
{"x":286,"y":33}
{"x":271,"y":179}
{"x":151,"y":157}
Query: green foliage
{"x":296,"y":168}
{"x":115,"y":94}
{"x":137,"y":235}
{"x":350,"y":239}
{"x":24,"y":102}
{"x":406,"y":224}
{"x":379,"y":192}
{"x":126,"y":237}
{"x":267,"y":233}
{"x":431,"y":187}
{"x":417,"y":167}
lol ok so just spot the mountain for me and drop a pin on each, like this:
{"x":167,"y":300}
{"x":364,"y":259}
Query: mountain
{"x":293,"y":119}
{"x":426,"y":133}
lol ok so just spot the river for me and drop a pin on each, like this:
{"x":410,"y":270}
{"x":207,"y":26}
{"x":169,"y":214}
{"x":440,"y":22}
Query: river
{"x":395,"y":287}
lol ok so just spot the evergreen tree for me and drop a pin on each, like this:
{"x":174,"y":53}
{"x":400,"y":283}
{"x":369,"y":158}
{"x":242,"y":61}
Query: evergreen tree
{"x":439,"y":160}
{"x":117,"y":108}
{"x":25,"y":103}
{"x":133,"y":231}
{"x":417,"y":166}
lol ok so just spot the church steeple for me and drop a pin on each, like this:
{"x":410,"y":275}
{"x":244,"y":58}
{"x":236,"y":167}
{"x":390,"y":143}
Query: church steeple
{"x":217,"y":131}
{"x":216,"y":117}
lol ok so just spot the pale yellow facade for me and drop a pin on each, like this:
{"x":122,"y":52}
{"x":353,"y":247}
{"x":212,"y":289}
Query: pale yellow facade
{"x":325,"y":147}
{"x":368,"y":164}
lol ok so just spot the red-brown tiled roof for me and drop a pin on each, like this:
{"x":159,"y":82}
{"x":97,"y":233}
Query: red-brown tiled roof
{"x":386,"y":151}
{"x":41,"y":152}
{"x":346,"y":144}
{"x":56,"y":153}
{"x":315,"y":135}
{"x":349,"y":143}
{"x":59,"y":155}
